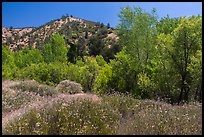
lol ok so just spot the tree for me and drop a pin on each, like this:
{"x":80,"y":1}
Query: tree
{"x":137,"y":33}
{"x":138,"y":29}
{"x":26,"y":57}
{"x":164,"y":75}
{"x":187,"y":39}
{"x":8,"y":65}
{"x":184,"y":42}
{"x":34,"y":56}
{"x":55,"y":50}
{"x":7,"y":55}
{"x":10,"y":27}
{"x":103,"y":79}
{"x":195,"y":69}
{"x":110,"y":52}
{"x":47,"y":53}
{"x":166,"y":25}
{"x":9,"y":40}
{"x":88,"y":73}
{"x":81,"y":47}
{"x":102,"y":33}
{"x":101,"y":25}
{"x":72,"y":53}
{"x":108,"y":25}
{"x":86,"y":35}
{"x":95,"y":46}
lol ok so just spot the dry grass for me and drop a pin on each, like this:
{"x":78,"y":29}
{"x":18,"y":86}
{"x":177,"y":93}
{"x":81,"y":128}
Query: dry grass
{"x":35,"y":87}
{"x":65,"y":114}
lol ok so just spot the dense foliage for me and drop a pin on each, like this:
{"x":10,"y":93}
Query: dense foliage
{"x":159,"y":59}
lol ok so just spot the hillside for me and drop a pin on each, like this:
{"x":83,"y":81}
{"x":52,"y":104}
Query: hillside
{"x":71,"y":28}
{"x":10,"y":34}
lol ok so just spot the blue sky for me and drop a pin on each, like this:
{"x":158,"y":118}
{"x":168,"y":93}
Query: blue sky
{"x":27,"y":14}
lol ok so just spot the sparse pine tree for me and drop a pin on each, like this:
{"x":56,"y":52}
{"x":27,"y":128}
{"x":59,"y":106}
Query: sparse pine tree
{"x":86,"y":35}
{"x":108,"y":25}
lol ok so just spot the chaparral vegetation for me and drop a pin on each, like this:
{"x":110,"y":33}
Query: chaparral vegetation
{"x":148,"y":81}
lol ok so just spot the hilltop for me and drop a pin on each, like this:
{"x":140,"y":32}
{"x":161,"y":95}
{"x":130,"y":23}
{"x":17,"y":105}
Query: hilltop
{"x":71,"y":28}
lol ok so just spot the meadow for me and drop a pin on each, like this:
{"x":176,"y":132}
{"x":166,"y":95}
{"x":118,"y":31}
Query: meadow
{"x":116,"y":113}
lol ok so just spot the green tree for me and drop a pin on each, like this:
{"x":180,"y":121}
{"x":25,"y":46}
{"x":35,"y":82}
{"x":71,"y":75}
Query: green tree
{"x":88,"y":73}
{"x":103,"y":78}
{"x":7,"y":55}
{"x":47,"y":53}
{"x":137,"y":32}
{"x":177,"y":47}
{"x":195,"y":69}
{"x":108,"y":25}
{"x":166,"y":25}
{"x":81,"y":48}
{"x":124,"y":77}
{"x":55,"y":50}
{"x":27,"y":57}
{"x":9,"y":68}
{"x":187,"y":39}
{"x":95,"y":46}
{"x":72,"y":53}
{"x":86,"y":35}
{"x":102,"y":32}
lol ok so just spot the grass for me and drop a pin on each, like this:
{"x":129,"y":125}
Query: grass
{"x":14,"y":100}
{"x":146,"y":117}
{"x":116,"y":114}
{"x":78,"y":117}
{"x":35,"y":87}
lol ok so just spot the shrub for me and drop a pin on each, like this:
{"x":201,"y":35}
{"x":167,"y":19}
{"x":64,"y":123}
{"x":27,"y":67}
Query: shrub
{"x":68,"y":86}
{"x":74,"y":35}
{"x":116,"y":114}
{"x":50,"y":74}
{"x":35,"y":87}
{"x":78,"y":117}
{"x":14,"y":100}
{"x":102,"y":80}
{"x":146,"y":117}
{"x":9,"y":72}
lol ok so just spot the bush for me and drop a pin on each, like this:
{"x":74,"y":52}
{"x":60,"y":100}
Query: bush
{"x":8,"y":66}
{"x":35,"y":87}
{"x":74,"y":35}
{"x":14,"y":100}
{"x":146,"y":117}
{"x":116,"y":114}
{"x":9,"y":72}
{"x":102,"y":80}
{"x":68,"y":86}
{"x":75,"y":118}
{"x":50,"y":74}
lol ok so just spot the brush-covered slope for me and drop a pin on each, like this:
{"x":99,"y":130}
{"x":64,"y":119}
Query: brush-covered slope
{"x":71,"y":28}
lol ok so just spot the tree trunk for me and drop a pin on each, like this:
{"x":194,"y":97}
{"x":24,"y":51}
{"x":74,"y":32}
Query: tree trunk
{"x":182,"y":89}
{"x":186,"y":95}
{"x":180,"y":96}
{"x":196,"y":94}
{"x":200,"y":94}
